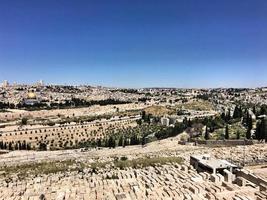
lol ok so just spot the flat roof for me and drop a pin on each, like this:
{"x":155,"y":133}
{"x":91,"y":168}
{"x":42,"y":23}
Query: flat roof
{"x":212,"y":162}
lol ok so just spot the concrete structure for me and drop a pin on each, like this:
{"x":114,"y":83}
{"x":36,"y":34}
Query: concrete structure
{"x":204,"y":163}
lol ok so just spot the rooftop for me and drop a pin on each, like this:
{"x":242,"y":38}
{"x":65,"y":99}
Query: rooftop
{"x":212,"y":162}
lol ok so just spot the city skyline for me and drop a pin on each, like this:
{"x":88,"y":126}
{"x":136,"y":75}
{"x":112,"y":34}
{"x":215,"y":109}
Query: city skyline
{"x":40,"y":82}
{"x":183,"y":44}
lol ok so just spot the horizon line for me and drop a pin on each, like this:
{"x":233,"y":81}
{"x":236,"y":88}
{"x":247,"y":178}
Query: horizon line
{"x":130,"y":87}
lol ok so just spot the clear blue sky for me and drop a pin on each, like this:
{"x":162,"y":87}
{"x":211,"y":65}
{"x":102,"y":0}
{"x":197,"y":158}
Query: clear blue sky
{"x":135,"y":43}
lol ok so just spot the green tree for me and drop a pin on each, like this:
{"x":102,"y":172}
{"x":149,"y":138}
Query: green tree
{"x":223,"y":116}
{"x":143,"y":140}
{"x":24,"y":121}
{"x":263,"y":110}
{"x":228,"y":116}
{"x":28,"y":147}
{"x":111,"y":142}
{"x":139,"y":122}
{"x":10,"y":147}
{"x":226,"y":132}
{"x":23,"y":145}
{"x":134,"y":140}
{"x":207,"y":135}
{"x":99,"y":142}
{"x":120,"y":141}
{"x":126,"y":142}
{"x":5,"y":146}
{"x":261,"y":132}
{"x":42,"y":147}
{"x":238,"y":113}
{"x":145,"y":117}
{"x":20,"y":146}
{"x":245,"y":118}
{"x":249,"y":127}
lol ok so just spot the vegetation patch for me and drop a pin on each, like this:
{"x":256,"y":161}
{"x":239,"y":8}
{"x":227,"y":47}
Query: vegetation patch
{"x":200,"y":105}
{"x":147,"y":162}
{"x":99,"y":165}
{"x":35,"y":169}
{"x":4,"y":111}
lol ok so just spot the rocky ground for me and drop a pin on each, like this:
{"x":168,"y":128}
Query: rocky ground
{"x":160,"y":170}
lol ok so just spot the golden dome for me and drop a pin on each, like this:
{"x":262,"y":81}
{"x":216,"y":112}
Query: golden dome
{"x":31,"y":95}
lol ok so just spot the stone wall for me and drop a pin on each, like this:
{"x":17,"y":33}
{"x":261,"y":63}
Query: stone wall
{"x":251,"y":177}
{"x":225,"y":142}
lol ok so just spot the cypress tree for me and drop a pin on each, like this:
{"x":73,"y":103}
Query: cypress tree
{"x":248,"y":134}
{"x":99,"y":142}
{"x":23,"y":146}
{"x":110,"y":142}
{"x":10,"y":146}
{"x":143,"y":114}
{"x":207,"y":135}
{"x":261,"y":132}
{"x":28,"y":146}
{"x":143,"y":140}
{"x":133,"y":141}
{"x":227,"y":132}
{"x":263,"y":110}
{"x":250,"y":126}
{"x":113,"y":142}
{"x":42,"y":146}
{"x":228,"y":116}
{"x":19,"y":145}
{"x":5,"y":146}
{"x":258,"y":130}
{"x":126,"y":142}
{"x":245,"y":118}
{"x":120,"y":141}
{"x":236,"y":112}
{"x":264,"y":129}
{"x":16,"y":146}
{"x":223,"y":116}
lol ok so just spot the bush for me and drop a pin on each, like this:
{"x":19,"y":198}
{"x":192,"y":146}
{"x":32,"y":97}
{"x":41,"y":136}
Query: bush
{"x":124,"y":158}
{"x":24,"y":121}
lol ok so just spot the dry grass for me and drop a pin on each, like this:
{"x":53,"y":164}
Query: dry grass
{"x":36,"y":169}
{"x":159,"y":110}
{"x":197,"y":105}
